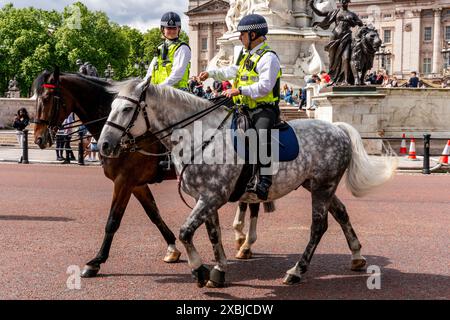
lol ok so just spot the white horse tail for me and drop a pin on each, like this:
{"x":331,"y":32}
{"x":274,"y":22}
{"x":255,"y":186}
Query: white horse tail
{"x":364,"y":173}
{"x":269,"y":206}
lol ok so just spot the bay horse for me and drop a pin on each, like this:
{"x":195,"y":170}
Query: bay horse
{"x":90,"y":99}
{"x":327,"y":151}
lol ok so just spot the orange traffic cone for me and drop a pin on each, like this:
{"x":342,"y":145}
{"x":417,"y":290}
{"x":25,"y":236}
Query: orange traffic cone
{"x":444,"y":158}
{"x":412,"y":149}
{"x":403,"y":145}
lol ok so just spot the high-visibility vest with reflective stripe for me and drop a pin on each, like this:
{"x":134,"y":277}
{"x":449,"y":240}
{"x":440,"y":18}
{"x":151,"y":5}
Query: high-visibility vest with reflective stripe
{"x":163,"y":67}
{"x":247,"y":75}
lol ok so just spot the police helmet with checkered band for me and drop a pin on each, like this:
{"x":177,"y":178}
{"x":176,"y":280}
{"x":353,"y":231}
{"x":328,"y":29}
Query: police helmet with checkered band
{"x":170,"y":19}
{"x":253,"y":23}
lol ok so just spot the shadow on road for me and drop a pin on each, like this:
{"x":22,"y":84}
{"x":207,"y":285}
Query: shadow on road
{"x":329,"y":277}
{"x":34,"y":218}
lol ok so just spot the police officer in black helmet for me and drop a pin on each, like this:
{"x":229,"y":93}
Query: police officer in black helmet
{"x":256,"y":87}
{"x":171,"y":63}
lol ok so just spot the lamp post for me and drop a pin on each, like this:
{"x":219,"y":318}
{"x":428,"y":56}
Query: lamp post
{"x":446,"y":56}
{"x":109,"y":72}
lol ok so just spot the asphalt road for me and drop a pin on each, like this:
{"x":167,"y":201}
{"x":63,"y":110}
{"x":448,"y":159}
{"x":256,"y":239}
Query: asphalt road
{"x":53,"y":217}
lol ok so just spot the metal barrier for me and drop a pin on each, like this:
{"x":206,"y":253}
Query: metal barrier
{"x":426,"y":155}
{"x":24,"y":158}
{"x":426,"y":147}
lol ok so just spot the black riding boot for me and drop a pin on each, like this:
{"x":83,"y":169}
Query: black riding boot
{"x":262,"y":188}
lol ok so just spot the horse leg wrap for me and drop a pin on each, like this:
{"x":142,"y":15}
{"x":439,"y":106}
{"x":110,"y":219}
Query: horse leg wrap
{"x":216,"y":279}
{"x":201,"y":274}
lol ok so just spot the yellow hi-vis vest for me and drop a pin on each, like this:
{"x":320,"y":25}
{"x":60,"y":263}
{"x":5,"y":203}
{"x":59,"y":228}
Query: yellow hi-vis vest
{"x":163,"y":67}
{"x":247,"y":75}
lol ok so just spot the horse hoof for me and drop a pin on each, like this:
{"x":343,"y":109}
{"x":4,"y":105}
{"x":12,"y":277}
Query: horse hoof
{"x":291,"y":279}
{"x":90,"y":271}
{"x":216,"y":279}
{"x":244,"y":254}
{"x":172,"y":256}
{"x":358,"y":264}
{"x":239,"y":243}
{"x":201,"y":274}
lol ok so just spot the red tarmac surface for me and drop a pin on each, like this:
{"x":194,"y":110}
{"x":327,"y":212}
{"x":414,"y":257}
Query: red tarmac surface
{"x":54,"y":216}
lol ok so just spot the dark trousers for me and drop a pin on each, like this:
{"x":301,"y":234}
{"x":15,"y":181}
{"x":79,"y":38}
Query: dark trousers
{"x":59,"y":145}
{"x":69,"y":152}
{"x":264,"y":118}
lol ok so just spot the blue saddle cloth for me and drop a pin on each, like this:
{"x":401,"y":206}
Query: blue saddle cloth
{"x":287,"y":141}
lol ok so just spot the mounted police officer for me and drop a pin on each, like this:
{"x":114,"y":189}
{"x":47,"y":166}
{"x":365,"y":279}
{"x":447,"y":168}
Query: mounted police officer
{"x":171,"y":63}
{"x":256,"y":87}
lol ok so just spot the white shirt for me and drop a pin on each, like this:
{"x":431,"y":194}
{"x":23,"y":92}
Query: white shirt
{"x":181,"y":59}
{"x":268,"y":67}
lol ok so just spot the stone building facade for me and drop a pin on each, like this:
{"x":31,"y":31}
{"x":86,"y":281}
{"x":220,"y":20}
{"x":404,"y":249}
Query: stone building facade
{"x":206,"y":25}
{"x":415,"y":34}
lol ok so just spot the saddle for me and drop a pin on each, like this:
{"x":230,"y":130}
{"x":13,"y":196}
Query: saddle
{"x":288,"y":147}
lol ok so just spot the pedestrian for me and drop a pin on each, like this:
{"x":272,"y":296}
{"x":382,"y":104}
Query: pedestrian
{"x":21,"y":121}
{"x":413,"y":80}
{"x":67,"y":124}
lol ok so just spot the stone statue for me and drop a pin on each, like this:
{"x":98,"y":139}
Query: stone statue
{"x":366,"y":43}
{"x":238,"y":9}
{"x":13,"y":85}
{"x":340,"y":47}
{"x":86,"y":68}
{"x":324,"y":6}
{"x":310,"y":63}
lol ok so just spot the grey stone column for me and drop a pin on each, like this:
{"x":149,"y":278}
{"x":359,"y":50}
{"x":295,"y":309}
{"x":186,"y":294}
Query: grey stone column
{"x":194,"y":44}
{"x":398,"y":43}
{"x":437,"y":45}
{"x":211,"y":43}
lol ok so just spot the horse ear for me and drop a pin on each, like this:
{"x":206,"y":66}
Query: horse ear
{"x":56,"y":74}
{"x":143,"y":86}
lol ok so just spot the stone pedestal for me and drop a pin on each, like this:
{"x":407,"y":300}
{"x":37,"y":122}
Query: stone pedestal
{"x":13,"y":94}
{"x":389,"y":111}
{"x":360,"y":107}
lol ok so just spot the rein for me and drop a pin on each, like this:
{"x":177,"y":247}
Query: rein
{"x":204,"y":145}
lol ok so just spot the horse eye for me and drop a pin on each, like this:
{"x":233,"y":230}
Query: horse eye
{"x":127,"y":109}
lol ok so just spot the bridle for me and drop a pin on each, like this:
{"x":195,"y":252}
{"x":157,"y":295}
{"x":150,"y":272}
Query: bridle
{"x":52,"y":121}
{"x":57,"y":105}
{"x":140,"y":106}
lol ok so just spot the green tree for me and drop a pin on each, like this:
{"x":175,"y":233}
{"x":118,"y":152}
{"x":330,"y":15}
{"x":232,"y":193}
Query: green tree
{"x":32,"y":40}
{"x":25,"y":44}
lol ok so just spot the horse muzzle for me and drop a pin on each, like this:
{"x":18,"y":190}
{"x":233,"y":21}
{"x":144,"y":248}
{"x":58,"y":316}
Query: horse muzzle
{"x":108,"y":149}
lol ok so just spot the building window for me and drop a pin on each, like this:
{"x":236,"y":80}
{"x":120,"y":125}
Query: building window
{"x":204,"y":44}
{"x":427,"y":34}
{"x":387,"y":65}
{"x":387,"y":36}
{"x":427,"y":65}
{"x":447,"y":33}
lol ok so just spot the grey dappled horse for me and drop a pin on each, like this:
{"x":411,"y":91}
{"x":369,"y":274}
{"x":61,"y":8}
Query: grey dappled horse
{"x":327,"y":151}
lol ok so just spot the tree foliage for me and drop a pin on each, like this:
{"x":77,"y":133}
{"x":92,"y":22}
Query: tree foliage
{"x":32,"y":40}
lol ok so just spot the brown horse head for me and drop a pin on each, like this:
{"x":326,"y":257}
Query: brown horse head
{"x":59,"y":94}
{"x":51,"y":107}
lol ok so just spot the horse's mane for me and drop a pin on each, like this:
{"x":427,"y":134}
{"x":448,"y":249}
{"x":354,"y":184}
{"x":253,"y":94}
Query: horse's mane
{"x":167,"y":93}
{"x":39,"y":81}
{"x":97,"y":84}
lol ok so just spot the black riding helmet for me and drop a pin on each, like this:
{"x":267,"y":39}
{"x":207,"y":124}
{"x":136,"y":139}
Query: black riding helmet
{"x":253,"y":23}
{"x":170,"y":19}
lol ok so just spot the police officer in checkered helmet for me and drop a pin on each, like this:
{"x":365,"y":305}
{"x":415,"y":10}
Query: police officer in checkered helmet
{"x":256,"y":88}
{"x":171,"y":63}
